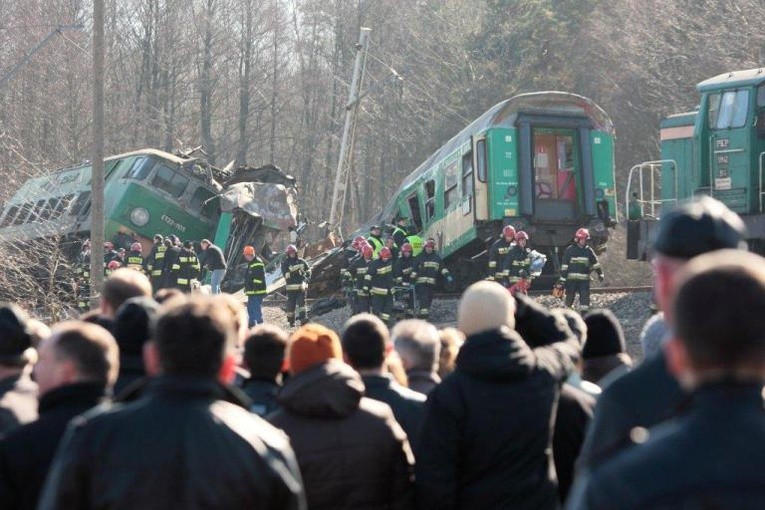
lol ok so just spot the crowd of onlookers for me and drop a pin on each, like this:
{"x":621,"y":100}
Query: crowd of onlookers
{"x":171,"y":401}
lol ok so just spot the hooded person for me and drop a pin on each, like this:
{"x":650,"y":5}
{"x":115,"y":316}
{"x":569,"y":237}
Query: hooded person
{"x":351,"y":451}
{"x":604,"y":351}
{"x":486,"y":438}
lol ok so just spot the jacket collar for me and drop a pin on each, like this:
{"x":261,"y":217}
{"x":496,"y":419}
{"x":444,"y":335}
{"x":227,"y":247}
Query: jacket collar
{"x":713,"y":395}
{"x":498,"y":354}
{"x":328,"y":390}
{"x":84,"y":394}
{"x":181,"y":386}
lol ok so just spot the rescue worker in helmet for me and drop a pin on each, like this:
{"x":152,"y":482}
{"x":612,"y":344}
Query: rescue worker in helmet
{"x":516,"y":264}
{"x":402,"y":273}
{"x":427,"y":268}
{"x":172,"y":264}
{"x":579,"y":260}
{"x":110,"y":253}
{"x":498,"y":251}
{"x":350,"y":253}
{"x":375,"y":240}
{"x":297,"y":274}
{"x":135,"y":257}
{"x":358,"y":269}
{"x":188,"y":267}
{"x":254,"y":285}
{"x":400,"y":232}
{"x":82,"y":274}
{"x":155,"y":262}
{"x":379,"y":282}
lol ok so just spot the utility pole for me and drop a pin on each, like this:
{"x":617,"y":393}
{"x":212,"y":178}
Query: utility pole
{"x":59,"y":30}
{"x":97,"y":161}
{"x":342,"y":176}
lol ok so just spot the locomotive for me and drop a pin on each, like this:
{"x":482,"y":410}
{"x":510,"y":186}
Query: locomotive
{"x":717,"y":150}
{"x":542,"y":162}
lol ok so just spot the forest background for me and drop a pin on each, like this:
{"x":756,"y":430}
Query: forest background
{"x":261,"y":81}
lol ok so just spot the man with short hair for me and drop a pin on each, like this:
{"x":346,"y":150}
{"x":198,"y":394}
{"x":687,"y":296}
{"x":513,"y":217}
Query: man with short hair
{"x":264,"y":352}
{"x":18,"y":393}
{"x":419,"y":347}
{"x":186,"y":440}
{"x":365,"y":344}
{"x":649,"y":395}
{"x":122,"y":285}
{"x":214,"y":261}
{"x":78,"y":365}
{"x":712,"y":455}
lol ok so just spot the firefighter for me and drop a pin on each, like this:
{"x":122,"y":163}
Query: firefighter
{"x":403,"y":276}
{"x":172,"y":264}
{"x":498,"y":251}
{"x":379,"y":281}
{"x":155,"y":262}
{"x":297,"y":274}
{"x":135,"y":259}
{"x":579,"y":260}
{"x":82,"y":273}
{"x":375,"y":241}
{"x":359,"y":268}
{"x":350,"y":253}
{"x":517,"y":263}
{"x":254,"y":285}
{"x":188,"y":268}
{"x":111,"y":267}
{"x":427,"y":268}
{"x":399,"y":233}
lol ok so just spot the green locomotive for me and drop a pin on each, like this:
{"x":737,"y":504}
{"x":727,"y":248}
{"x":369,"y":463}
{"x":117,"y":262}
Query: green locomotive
{"x":717,"y":150}
{"x":542,"y":162}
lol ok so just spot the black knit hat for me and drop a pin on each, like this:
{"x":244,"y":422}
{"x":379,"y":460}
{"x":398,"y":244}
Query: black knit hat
{"x":604,"y":334}
{"x":698,"y":227}
{"x":134,"y":324}
{"x":15,"y":337}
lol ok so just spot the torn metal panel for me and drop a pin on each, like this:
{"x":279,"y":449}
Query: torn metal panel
{"x":274,"y":204}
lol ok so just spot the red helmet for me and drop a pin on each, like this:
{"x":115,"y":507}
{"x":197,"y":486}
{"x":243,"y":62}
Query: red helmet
{"x":521,"y":235}
{"x":291,"y":249}
{"x":508,"y":231}
{"x":136,"y":247}
{"x":385,"y":253}
{"x":357,"y":242}
{"x":367,"y":251}
{"x":430,"y":243}
{"x":113,"y":265}
{"x":406,"y":248}
{"x":582,"y":233}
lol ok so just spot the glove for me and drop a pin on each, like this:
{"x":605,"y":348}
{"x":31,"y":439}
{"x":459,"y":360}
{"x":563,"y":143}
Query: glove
{"x":601,"y":277}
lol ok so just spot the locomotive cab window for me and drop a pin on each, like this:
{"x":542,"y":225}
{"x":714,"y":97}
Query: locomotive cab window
{"x":728,"y":109}
{"x":140,"y":169}
{"x":430,"y":201}
{"x":170,"y":181}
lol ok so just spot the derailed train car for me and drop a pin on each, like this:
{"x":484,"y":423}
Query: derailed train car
{"x":542,"y":162}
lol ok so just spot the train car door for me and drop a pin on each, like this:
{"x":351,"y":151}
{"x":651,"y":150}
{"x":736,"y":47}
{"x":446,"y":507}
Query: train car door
{"x":556,"y":170}
{"x":480,"y":186}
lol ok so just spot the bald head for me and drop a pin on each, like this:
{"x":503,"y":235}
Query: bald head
{"x":484,"y":306}
{"x":122,"y":285}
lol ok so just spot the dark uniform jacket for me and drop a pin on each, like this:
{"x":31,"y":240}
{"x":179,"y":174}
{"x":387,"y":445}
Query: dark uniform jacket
{"x":185,"y":442}
{"x":135,"y":260}
{"x":571,"y":420}
{"x":171,"y":267}
{"x":18,"y":402}
{"x":486,"y":438}
{"x":349,"y":255}
{"x":407,"y":405}
{"x":712,"y":457}
{"x":155,"y":262}
{"x":255,"y":277}
{"x":516,"y":264}
{"x":27,"y":452}
{"x":212,"y":258}
{"x":262,"y":392}
{"x":403,"y":270}
{"x":189,"y":266}
{"x":296,"y":273}
{"x":578,"y":262}
{"x":379,"y":277}
{"x":351,"y":451}
{"x":358,"y":269}
{"x":497,"y":253}
{"x":428,"y":267}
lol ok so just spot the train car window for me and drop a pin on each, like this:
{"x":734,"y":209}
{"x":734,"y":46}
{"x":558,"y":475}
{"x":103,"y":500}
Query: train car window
{"x":23,"y":214}
{"x":80,"y":203}
{"x":414,"y":208}
{"x":9,"y":216}
{"x":36,"y":213}
{"x":140,"y":169}
{"x":430,"y":201}
{"x":170,"y":181}
{"x":480,"y":152}
{"x":728,"y":110}
{"x":47,"y":210}
{"x":64,"y":204}
{"x":761,"y":95}
{"x":467,"y":174}
{"x":451,"y":178}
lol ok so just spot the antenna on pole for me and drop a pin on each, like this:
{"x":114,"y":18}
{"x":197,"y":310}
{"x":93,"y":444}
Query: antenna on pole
{"x":342,"y":176}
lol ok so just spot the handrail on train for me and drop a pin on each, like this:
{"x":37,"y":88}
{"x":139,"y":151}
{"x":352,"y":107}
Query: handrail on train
{"x":653,"y":166}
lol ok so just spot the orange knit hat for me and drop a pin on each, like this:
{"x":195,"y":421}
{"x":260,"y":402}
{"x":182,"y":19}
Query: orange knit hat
{"x":313,"y":344}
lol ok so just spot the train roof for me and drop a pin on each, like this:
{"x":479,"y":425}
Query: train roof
{"x":747,"y":78}
{"x":504,"y":114}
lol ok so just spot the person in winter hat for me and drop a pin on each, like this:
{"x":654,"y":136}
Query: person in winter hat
{"x":604,"y":351}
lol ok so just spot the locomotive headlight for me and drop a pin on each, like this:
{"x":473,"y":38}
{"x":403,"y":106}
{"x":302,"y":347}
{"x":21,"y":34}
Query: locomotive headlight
{"x":139,"y":216}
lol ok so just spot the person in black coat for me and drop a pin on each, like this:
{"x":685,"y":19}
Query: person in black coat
{"x":18,"y":392}
{"x":264,"y":351}
{"x":486,"y":438}
{"x":365,"y":344}
{"x":186,"y":440}
{"x":573,"y":415}
{"x":711,"y":456}
{"x":78,"y":364}
{"x":133,"y":326}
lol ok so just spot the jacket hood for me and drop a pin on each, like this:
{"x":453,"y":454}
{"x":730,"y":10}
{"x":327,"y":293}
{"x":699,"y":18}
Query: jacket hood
{"x":498,"y":354}
{"x":329,"y":390}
